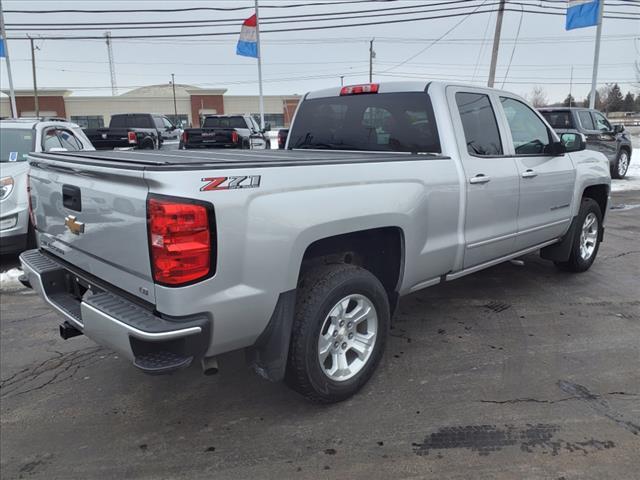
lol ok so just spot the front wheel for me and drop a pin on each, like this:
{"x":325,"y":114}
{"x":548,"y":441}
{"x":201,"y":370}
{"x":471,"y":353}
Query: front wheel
{"x":339,"y":332}
{"x":619,"y":169}
{"x":586,"y":241}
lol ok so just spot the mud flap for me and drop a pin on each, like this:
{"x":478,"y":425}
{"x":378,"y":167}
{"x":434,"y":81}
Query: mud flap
{"x":268,"y":356}
{"x":559,"y":252}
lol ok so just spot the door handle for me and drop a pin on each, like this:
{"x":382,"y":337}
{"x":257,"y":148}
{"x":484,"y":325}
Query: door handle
{"x":479,"y":178}
{"x":529,"y":174}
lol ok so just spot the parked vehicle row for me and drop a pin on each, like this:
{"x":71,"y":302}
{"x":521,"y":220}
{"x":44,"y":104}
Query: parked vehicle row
{"x":299,"y":256}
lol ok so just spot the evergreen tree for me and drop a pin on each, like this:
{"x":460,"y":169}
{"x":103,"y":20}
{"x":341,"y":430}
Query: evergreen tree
{"x":628,"y":103}
{"x":569,"y":101}
{"x":614,"y":99}
{"x":598,"y":105}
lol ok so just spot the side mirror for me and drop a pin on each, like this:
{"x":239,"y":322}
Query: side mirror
{"x":573,"y":142}
{"x":57,"y":149}
{"x":618,"y":129}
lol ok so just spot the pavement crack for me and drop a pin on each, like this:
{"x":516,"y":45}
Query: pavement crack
{"x":598,"y":404}
{"x":621,"y":254}
{"x":528,"y":400}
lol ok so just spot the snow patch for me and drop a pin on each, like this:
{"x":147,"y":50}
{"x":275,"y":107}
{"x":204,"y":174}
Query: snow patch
{"x":9,"y":280}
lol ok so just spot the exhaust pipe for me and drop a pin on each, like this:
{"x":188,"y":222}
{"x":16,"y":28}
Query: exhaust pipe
{"x":210,"y":365}
{"x":68,"y":331}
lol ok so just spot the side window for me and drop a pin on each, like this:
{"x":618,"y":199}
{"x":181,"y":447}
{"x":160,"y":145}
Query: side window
{"x":50,"y":140}
{"x":167,"y":124}
{"x":479,"y":123}
{"x":118,"y":121}
{"x":602,"y":123}
{"x":69,"y":141}
{"x":158,"y":123}
{"x":530,"y":134}
{"x":585,"y":120}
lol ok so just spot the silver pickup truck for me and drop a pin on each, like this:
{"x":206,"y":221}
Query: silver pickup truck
{"x":299,"y":256}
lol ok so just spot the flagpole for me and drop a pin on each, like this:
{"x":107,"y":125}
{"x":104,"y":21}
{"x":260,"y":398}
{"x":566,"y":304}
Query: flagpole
{"x":12,"y":93}
{"x":259,"y":67}
{"x":596,"y":58}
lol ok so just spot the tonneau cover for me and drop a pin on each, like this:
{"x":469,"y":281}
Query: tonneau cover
{"x":194,"y":159}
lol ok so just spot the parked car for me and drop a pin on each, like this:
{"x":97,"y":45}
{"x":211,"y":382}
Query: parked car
{"x":130,"y":130}
{"x":300,"y":256}
{"x":226,"y":131}
{"x":611,"y":140}
{"x":166,"y":129}
{"x":17,"y":139}
{"x":282,"y":137}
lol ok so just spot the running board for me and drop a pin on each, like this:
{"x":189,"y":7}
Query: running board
{"x":491,"y":263}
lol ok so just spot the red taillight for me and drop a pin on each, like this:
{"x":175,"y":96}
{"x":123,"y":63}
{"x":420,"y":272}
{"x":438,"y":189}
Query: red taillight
{"x":234,"y":137}
{"x":185,"y":136}
{"x":180,"y":241}
{"x":32,"y":214}
{"x":132,"y":137}
{"x":356,"y":89}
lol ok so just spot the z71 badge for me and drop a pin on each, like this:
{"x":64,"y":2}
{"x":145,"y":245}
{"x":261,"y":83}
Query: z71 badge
{"x":230,"y":183}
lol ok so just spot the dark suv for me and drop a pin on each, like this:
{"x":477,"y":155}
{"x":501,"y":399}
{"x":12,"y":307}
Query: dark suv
{"x":613,"y":141}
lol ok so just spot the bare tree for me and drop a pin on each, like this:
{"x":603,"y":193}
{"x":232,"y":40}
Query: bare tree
{"x":538,"y":97}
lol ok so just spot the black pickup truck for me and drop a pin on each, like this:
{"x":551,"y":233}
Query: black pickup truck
{"x":601,"y":136}
{"x":129,"y":130}
{"x":226,"y":131}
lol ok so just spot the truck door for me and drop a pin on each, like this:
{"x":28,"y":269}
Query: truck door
{"x":491,"y":177}
{"x":589,"y":130}
{"x":606,"y":137}
{"x":546,"y":180}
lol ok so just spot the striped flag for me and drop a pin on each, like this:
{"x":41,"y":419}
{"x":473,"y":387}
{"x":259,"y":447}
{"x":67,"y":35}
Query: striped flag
{"x":248,"y":42}
{"x":582,"y":13}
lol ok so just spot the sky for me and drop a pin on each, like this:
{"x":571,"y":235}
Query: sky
{"x":300,"y":61}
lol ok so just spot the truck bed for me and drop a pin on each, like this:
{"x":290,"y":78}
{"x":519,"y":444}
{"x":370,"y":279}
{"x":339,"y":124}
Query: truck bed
{"x":221,"y":159}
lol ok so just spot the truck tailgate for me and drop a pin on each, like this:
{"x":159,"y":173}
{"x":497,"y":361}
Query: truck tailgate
{"x":94,"y":218}
{"x":210,"y":136}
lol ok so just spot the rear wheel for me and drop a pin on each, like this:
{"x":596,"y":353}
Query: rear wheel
{"x":619,"y":169}
{"x":339,"y":332}
{"x":587,"y":239}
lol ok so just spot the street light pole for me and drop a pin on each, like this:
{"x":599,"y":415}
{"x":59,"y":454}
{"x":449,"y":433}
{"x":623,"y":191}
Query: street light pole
{"x":175,"y":107}
{"x":35,"y":82}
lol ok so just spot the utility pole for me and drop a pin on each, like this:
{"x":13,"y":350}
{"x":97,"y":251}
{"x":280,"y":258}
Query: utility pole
{"x":12,"y":93}
{"x":570,"y":86}
{"x":496,"y":45}
{"x":596,"y":59}
{"x":175,"y":107}
{"x":112,"y":68}
{"x":35,"y":82}
{"x":372,"y":55}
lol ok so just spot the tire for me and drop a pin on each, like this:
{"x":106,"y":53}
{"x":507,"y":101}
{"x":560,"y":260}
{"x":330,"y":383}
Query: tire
{"x":621,"y":165}
{"x":148,"y":145}
{"x":320,"y":293}
{"x":581,"y":258}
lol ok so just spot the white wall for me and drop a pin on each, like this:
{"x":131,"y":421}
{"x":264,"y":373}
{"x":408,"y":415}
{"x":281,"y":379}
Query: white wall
{"x":108,"y":106}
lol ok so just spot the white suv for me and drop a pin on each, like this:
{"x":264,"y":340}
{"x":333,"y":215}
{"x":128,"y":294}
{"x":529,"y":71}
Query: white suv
{"x":18,"y":137}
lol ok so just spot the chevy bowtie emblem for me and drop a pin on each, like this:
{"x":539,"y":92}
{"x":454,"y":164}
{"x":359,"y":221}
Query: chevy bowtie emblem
{"x":73,"y":225}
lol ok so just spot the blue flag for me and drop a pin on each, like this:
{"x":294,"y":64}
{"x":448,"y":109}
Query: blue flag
{"x":582,"y":13}
{"x":2,"y":49}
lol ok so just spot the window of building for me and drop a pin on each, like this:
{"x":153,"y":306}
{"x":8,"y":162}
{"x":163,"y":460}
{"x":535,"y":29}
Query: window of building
{"x":479,"y":124}
{"x":88,"y":121}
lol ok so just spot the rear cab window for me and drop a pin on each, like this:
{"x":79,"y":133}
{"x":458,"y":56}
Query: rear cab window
{"x":559,"y":119}
{"x":398,"y":122}
{"x":225,"y":122}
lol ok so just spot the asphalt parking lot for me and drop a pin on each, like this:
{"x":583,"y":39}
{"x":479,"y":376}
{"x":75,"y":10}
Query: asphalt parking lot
{"x":519,"y":371}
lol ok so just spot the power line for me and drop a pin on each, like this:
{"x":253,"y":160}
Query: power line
{"x":298,"y":29}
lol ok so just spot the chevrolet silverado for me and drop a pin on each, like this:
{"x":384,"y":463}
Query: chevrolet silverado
{"x":299,"y":256}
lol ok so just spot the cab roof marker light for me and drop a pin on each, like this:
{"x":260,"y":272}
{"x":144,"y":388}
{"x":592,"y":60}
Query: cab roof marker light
{"x":359,"y":89}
